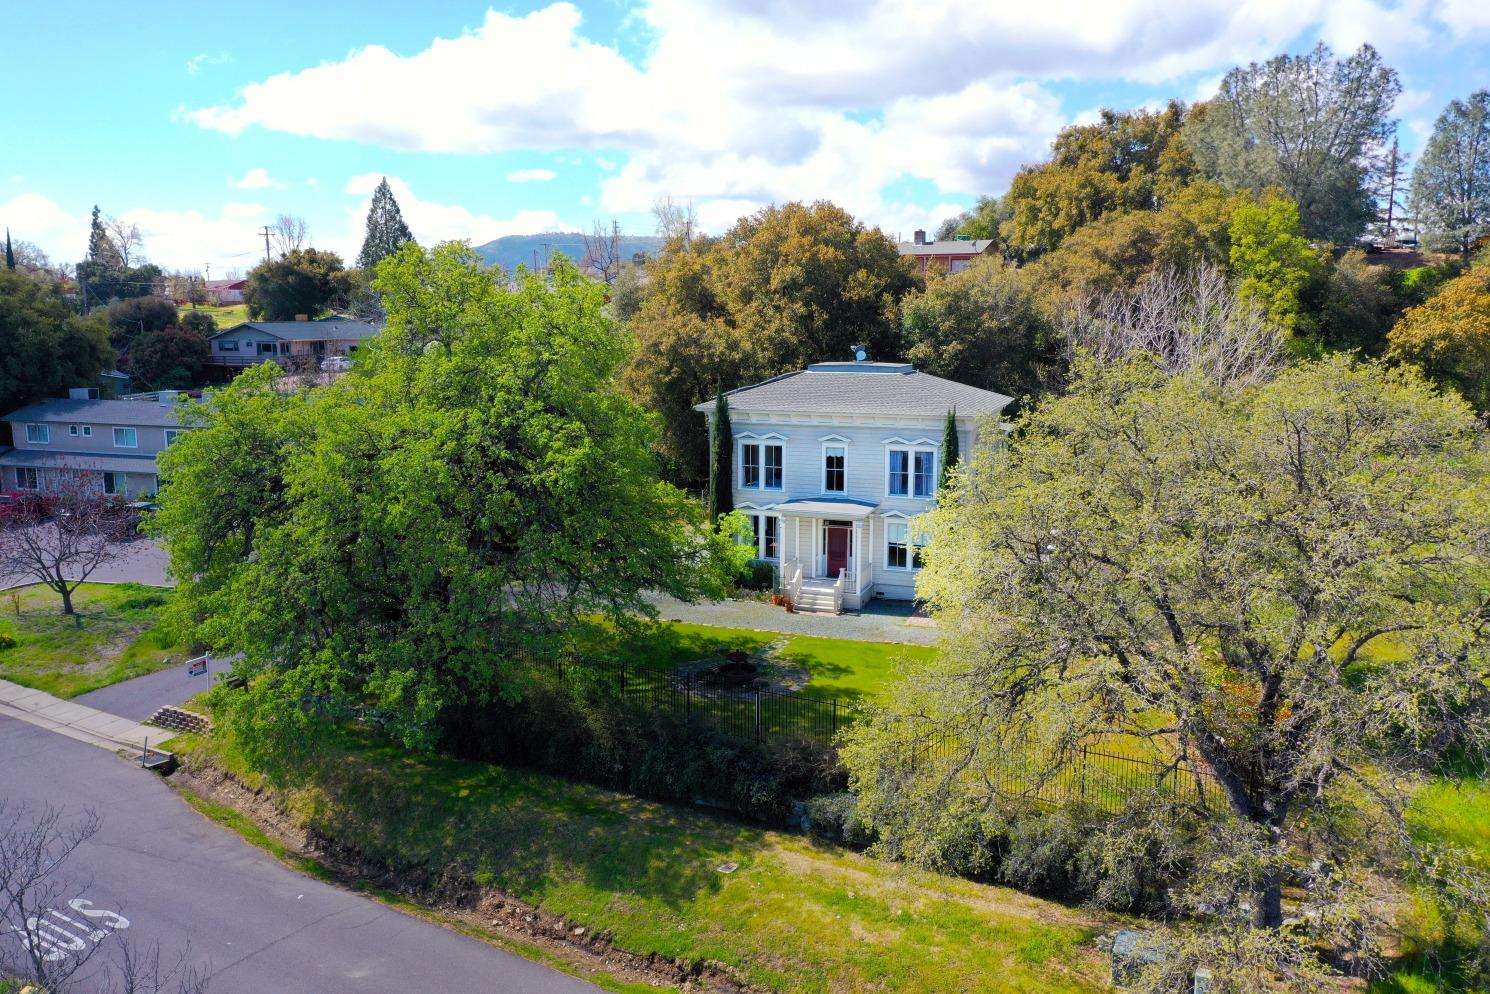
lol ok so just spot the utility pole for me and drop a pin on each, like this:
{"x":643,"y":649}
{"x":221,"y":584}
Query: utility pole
{"x":265,"y":232}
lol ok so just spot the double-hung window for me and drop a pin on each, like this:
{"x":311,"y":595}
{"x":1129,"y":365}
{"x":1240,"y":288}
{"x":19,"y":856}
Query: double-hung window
{"x":765,"y":532}
{"x":125,"y":438}
{"x":835,"y":469}
{"x":39,"y":434}
{"x":761,"y":466}
{"x":912,"y":472}
{"x":27,"y":479}
{"x":902,"y":545}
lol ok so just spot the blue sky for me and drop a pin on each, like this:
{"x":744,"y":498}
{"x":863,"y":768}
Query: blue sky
{"x":200,"y":127}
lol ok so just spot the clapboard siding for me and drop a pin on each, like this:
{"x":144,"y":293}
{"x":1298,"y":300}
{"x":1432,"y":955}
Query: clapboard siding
{"x":867,"y":478}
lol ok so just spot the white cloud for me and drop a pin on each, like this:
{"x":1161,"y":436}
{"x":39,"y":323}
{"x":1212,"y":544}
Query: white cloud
{"x":257,"y":178}
{"x":531,"y":175}
{"x":432,"y":222}
{"x":739,"y":103}
{"x":196,"y":62}
{"x":1465,"y":17}
{"x":34,"y":218}
{"x":191,"y":239}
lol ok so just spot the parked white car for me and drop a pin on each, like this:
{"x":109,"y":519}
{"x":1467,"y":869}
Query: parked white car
{"x":336,"y":364}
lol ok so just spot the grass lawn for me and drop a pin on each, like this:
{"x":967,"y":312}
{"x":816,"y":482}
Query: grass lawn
{"x":121,"y":636}
{"x":225,"y":317}
{"x":793,"y":917}
{"x":847,"y":670}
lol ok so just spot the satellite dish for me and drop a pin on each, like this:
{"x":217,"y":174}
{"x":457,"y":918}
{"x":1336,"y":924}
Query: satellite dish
{"x":860,"y":355}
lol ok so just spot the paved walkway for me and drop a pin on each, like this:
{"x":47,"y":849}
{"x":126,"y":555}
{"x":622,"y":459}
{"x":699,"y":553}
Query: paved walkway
{"x":76,"y":721}
{"x":881,"y":621}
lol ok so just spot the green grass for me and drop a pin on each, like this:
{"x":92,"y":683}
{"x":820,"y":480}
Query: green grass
{"x":794,"y":916}
{"x":844,"y":669}
{"x":121,"y":636}
{"x":225,"y":317}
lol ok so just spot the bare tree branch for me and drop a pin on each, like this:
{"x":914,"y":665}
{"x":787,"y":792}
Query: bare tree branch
{"x":1188,"y":320}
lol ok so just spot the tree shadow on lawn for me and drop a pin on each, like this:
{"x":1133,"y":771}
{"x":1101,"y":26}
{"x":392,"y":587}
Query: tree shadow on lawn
{"x":528,"y":834}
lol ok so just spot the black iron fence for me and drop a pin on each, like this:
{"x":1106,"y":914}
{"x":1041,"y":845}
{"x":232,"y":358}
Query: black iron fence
{"x":764,"y":715}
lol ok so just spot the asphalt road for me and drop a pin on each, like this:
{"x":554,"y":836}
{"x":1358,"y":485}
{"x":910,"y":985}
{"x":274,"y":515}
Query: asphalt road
{"x":140,"y":560}
{"x":141,"y":697}
{"x":199,"y":891}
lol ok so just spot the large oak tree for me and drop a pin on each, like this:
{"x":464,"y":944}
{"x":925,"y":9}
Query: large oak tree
{"x":1284,"y":584}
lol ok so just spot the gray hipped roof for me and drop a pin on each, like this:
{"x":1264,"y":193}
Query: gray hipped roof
{"x":956,"y":246}
{"x":139,"y":413}
{"x":872,"y":388}
{"x":324,"y":330}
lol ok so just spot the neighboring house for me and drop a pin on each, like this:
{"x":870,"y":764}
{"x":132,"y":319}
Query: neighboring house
{"x":111,"y":443}
{"x":225,"y":292}
{"x":834,"y":464}
{"x":287,"y":342}
{"x":950,"y":256}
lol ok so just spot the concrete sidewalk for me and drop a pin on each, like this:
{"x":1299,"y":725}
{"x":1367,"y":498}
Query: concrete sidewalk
{"x":77,"y":721}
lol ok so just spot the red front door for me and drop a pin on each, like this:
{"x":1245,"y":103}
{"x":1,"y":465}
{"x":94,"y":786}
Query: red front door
{"x":837,"y":550}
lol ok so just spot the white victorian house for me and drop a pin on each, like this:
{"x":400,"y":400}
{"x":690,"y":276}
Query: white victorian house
{"x":833,"y":464}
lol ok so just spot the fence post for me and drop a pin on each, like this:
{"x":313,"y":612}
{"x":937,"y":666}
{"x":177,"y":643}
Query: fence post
{"x":757,"y":715}
{"x":834,"y":715}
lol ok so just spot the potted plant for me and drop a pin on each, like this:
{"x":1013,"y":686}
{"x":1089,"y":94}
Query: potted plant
{"x":791,"y":608}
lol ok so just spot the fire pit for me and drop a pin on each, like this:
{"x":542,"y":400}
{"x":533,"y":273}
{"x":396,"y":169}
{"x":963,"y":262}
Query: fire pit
{"x":731,"y":674}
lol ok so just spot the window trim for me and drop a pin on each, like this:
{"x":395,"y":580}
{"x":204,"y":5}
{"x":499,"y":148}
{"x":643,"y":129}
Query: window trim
{"x":227,"y":345}
{"x":912,"y":546}
{"x":171,"y":434}
{"x":760,"y":443}
{"x":925,"y":445}
{"x":45,"y":432}
{"x":758,"y":518}
{"x":133,"y":431}
{"x":116,"y":489}
{"x":35,"y":475}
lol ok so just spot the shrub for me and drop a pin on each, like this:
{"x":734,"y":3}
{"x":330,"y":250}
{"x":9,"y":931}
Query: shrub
{"x":760,"y":576}
{"x":836,"y":817}
{"x":8,"y":641}
{"x":581,"y":729}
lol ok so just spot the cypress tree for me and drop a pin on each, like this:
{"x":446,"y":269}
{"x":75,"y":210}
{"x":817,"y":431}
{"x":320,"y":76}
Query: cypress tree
{"x":951,"y":454}
{"x":386,"y":231}
{"x":10,"y":256}
{"x":722,"y":444}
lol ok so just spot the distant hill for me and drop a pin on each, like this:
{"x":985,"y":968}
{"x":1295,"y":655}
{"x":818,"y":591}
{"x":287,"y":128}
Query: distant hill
{"x":511,"y":250}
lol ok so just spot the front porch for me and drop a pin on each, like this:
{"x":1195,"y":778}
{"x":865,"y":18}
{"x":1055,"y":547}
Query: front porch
{"x":827,"y":556}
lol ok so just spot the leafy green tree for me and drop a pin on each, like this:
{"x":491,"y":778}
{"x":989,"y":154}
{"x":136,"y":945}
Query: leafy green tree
{"x":1283,"y":583}
{"x":784,"y":287}
{"x":171,"y":358}
{"x":1449,"y":335}
{"x":477,"y":486}
{"x":981,"y":327}
{"x":1451,"y":184}
{"x":1361,"y":303}
{"x":721,"y":466}
{"x":201,"y":322}
{"x":982,"y":221}
{"x":1122,"y":249}
{"x":1306,"y":124}
{"x":386,"y":230}
{"x":951,"y":448}
{"x":135,"y":317}
{"x":1272,"y":259}
{"x":304,"y":281}
{"x":44,"y":347}
{"x":1126,"y":161}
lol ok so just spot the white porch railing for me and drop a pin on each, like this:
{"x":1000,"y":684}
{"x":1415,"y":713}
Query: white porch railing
{"x":863,"y":575}
{"x":838,"y":591}
{"x":791,"y":580}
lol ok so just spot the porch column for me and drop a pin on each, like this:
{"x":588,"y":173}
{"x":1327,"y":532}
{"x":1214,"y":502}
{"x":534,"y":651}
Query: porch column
{"x":858,"y":551}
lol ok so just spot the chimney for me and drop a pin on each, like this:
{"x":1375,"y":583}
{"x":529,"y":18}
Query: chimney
{"x":302,"y":317}
{"x":921,"y":236}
